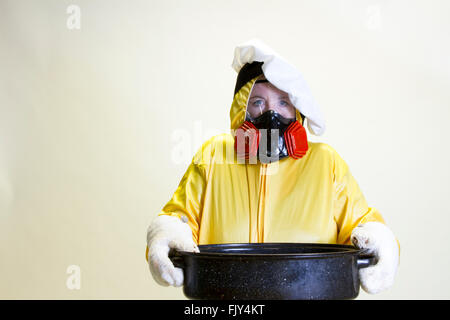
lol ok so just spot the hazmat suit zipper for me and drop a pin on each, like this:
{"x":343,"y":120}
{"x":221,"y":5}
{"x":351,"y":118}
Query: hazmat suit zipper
{"x":261,"y":202}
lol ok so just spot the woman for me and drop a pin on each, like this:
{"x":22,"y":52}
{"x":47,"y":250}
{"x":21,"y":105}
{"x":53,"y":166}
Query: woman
{"x":266,"y":183}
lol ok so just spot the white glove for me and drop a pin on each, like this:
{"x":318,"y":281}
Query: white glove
{"x":163,"y":234}
{"x":380,"y":241}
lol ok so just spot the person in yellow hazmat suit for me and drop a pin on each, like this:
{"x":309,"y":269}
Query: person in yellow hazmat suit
{"x":265,"y":182}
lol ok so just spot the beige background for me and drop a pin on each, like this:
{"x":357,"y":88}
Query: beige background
{"x":90,"y":123}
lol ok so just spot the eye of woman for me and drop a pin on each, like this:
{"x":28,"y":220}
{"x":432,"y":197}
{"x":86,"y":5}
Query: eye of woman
{"x":285,"y":103}
{"x":258,"y":102}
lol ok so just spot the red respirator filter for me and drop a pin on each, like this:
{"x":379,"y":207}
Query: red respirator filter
{"x":296,"y":141}
{"x":246,"y":140}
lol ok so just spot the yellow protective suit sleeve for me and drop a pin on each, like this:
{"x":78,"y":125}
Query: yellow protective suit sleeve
{"x":350,"y":206}
{"x":188,"y":198}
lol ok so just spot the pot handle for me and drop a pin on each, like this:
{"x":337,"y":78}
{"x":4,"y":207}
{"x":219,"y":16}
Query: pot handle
{"x":366,"y":259}
{"x":176,"y":258}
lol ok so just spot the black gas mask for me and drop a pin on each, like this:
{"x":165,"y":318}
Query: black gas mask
{"x":271,"y":126}
{"x":270,"y":137}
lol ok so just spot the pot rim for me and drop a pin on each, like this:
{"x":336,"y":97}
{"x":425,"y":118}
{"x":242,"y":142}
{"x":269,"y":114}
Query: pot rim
{"x":342,"y":250}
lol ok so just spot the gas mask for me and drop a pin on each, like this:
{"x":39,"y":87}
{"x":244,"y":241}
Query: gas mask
{"x":270,"y":137}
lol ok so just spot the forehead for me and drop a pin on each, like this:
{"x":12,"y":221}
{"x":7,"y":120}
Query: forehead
{"x":265,"y":88}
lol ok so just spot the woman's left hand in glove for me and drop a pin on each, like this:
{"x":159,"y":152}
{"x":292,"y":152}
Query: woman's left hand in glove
{"x":379,"y":240}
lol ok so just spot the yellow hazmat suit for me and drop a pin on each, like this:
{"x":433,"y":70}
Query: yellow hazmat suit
{"x":314,"y":199}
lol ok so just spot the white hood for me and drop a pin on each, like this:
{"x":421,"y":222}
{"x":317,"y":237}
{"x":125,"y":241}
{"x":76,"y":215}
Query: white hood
{"x":285,"y":77}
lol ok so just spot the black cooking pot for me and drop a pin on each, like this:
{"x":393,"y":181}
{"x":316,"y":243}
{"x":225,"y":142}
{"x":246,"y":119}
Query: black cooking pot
{"x":266,"y":271}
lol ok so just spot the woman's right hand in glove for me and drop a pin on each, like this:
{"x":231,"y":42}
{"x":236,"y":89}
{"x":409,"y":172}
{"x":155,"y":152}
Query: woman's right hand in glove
{"x":163,"y":234}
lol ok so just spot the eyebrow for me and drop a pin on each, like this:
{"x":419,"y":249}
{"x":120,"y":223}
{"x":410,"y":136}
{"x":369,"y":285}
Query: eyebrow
{"x":281,"y":96}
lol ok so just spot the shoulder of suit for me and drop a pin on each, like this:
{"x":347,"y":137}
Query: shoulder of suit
{"x":213,"y":148}
{"x":321,"y":149}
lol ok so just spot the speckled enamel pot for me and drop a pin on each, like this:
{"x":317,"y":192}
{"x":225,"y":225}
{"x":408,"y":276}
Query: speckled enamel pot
{"x":267,"y":271}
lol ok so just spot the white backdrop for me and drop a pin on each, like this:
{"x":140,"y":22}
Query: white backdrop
{"x":93,"y":98}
